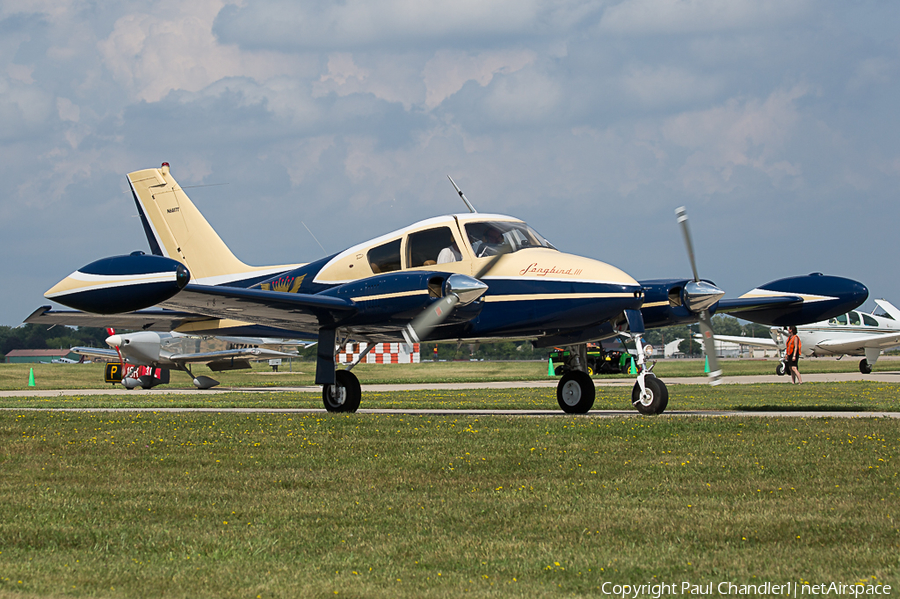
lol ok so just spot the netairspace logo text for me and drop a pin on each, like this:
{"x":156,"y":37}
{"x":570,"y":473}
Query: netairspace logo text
{"x":769,"y":589}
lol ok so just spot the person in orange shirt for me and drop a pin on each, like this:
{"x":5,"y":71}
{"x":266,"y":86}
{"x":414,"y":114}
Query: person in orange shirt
{"x":792,"y":355}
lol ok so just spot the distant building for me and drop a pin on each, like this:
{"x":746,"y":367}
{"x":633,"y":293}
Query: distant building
{"x":36,"y":356}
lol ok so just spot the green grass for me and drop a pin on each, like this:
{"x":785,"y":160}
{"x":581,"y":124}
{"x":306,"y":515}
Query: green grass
{"x":291,"y":505}
{"x":90,"y":376}
{"x":314,"y":505}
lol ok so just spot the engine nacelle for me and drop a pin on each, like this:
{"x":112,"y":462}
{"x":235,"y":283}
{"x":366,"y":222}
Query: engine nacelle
{"x":121,"y":284}
{"x":394,"y":299}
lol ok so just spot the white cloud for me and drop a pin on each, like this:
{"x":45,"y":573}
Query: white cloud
{"x":447,"y":72}
{"x":665,"y":85}
{"x":67,"y":110}
{"x":152,"y":54}
{"x":694,"y":16}
{"x":748,"y":133}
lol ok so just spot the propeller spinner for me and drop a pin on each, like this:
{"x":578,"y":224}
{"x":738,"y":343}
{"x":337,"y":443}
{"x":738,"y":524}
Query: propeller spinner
{"x":700,"y":296}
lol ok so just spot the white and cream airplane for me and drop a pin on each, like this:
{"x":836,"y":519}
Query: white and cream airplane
{"x":178,"y":351}
{"x":852,"y":334}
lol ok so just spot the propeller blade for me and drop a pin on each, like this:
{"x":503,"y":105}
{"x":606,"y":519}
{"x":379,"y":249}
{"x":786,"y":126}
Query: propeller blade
{"x":487,"y":266}
{"x":458,"y":289}
{"x":709,"y":345}
{"x":117,"y":341}
{"x":425,"y":322}
{"x":700,"y":296}
{"x":681,"y":213}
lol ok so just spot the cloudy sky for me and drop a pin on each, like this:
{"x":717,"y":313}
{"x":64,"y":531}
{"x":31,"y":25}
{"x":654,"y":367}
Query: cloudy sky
{"x":776,"y":123}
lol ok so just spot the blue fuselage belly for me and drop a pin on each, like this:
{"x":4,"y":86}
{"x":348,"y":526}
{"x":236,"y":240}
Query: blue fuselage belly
{"x":533,"y":308}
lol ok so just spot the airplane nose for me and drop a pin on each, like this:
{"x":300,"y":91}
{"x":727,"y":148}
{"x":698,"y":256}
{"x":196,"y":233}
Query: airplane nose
{"x":114,"y":341}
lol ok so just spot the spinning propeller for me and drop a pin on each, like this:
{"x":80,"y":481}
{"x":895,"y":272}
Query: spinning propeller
{"x":458,"y":289}
{"x":699,"y":296}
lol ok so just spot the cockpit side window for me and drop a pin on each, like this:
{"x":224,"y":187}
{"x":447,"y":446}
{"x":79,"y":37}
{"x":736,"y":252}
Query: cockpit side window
{"x":841,"y":319}
{"x":424,"y":247}
{"x":854,"y":318}
{"x":385,"y":258}
{"x":869,"y":321}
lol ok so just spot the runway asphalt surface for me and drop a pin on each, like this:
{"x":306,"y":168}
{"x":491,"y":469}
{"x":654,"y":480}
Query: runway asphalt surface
{"x":886,"y":377}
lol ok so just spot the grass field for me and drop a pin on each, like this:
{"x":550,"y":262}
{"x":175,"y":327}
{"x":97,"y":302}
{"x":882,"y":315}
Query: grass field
{"x":288,"y":505}
{"x":364,"y":505}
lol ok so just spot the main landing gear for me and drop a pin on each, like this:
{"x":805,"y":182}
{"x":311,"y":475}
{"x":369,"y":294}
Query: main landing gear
{"x":575,"y":392}
{"x":344,"y":395}
{"x":865,"y":367}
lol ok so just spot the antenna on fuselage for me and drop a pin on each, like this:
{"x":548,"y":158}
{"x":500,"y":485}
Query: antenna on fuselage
{"x":462,"y":195}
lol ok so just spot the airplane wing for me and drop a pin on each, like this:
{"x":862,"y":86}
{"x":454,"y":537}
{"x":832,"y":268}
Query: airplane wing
{"x":748,"y":304}
{"x":96,"y":352}
{"x":215,"y":356}
{"x":145,"y":320}
{"x":301,"y":312}
{"x":859,"y":342}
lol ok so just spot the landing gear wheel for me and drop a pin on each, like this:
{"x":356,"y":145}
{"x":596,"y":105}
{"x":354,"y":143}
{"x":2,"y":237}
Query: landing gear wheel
{"x":654,"y":401}
{"x":575,"y":392}
{"x":780,"y":370}
{"x":344,"y":394}
{"x":865,"y":367}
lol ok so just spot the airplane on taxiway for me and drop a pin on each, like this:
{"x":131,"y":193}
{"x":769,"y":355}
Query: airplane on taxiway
{"x":851,"y":334}
{"x":177,"y":351}
{"x":462,"y":277}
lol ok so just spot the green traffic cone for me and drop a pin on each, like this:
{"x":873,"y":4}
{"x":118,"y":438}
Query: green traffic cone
{"x":632,"y":369}
{"x":31,"y":378}
{"x":706,"y":367}
{"x":550,"y":371}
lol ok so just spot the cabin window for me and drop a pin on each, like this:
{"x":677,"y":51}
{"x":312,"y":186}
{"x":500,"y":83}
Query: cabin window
{"x":841,"y":319}
{"x":385,"y":258}
{"x":869,"y":321}
{"x":424,"y":247}
{"x":854,"y":318}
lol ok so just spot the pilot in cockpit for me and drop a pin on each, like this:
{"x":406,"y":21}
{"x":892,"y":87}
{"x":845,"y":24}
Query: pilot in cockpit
{"x":493,"y":240}
{"x":450,"y":254}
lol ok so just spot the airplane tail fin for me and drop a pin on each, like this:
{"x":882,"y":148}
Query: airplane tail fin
{"x":888,"y":308}
{"x":175,"y":228}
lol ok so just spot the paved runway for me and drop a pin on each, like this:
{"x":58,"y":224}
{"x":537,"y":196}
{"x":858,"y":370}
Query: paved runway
{"x":835,"y":377}
{"x":886,"y":377}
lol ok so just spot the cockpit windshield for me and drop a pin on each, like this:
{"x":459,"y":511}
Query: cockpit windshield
{"x":489,"y":238}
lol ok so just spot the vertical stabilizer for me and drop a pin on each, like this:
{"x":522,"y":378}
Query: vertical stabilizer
{"x":177,"y":230}
{"x":889,"y":309}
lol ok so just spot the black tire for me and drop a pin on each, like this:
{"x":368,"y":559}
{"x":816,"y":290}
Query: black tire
{"x":559,"y":370}
{"x":344,"y":395}
{"x":575,"y":392}
{"x":865,"y":367}
{"x":657,"y":399}
{"x":780,"y":370}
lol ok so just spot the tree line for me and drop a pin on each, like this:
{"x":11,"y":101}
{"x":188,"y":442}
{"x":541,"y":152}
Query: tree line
{"x":32,"y":336}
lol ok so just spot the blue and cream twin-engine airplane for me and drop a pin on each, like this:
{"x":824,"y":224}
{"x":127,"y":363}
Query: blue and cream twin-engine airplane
{"x":469,"y":276}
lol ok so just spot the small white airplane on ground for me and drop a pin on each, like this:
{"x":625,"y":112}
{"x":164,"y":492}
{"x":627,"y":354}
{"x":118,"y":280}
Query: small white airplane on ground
{"x":177,"y":351}
{"x":851,"y":334}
